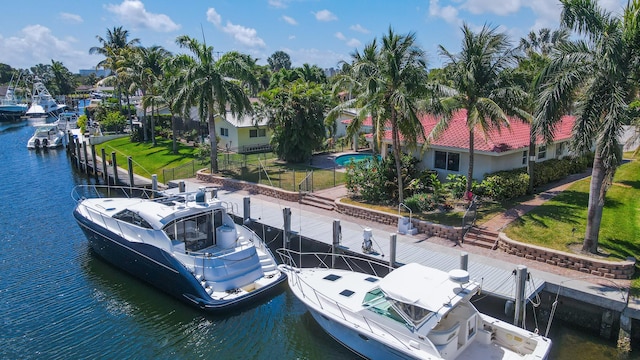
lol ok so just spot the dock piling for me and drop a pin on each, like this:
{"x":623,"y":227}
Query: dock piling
{"x":246,"y":210}
{"x":337,"y":232}
{"x":393,"y":240}
{"x":464,"y":261}
{"x":521,"y":281}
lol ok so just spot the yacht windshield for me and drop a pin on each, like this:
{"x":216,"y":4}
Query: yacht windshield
{"x":376,"y":301}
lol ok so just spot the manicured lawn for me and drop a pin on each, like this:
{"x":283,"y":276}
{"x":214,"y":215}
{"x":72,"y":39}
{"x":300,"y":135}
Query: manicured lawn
{"x":147,"y":159}
{"x":259,"y":168}
{"x":560,"y":222}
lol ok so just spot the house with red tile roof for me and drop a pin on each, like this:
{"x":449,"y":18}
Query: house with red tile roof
{"x":500,"y":149}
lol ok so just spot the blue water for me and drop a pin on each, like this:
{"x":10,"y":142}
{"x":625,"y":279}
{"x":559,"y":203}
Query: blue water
{"x":343,"y":160}
{"x":59,"y":301}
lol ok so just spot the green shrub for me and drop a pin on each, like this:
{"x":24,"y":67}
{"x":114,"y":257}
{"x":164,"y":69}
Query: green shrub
{"x":504,"y":185}
{"x":422,"y":202}
{"x":456,"y":184}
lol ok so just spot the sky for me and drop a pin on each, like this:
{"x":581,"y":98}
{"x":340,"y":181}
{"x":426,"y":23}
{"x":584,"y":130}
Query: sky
{"x":317,"y":32}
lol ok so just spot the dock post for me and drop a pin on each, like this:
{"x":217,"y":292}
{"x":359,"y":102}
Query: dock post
{"x":105,"y":174}
{"x":464,"y":261}
{"x":624,"y":334}
{"x":246,"y":210}
{"x":85,"y":158}
{"x":93,"y":158}
{"x":130,"y":165}
{"x":78,"y":155}
{"x":336,"y":241}
{"x":181,"y":187}
{"x":286,"y":214}
{"x":114,"y":163}
{"x":521,"y":281}
{"x":393,"y":239}
{"x":154,"y":182}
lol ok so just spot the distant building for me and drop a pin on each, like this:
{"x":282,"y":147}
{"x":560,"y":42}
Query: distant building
{"x":98,"y":72}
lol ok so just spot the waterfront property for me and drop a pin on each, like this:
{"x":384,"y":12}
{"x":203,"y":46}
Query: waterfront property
{"x":184,"y":244}
{"x":502,"y":149}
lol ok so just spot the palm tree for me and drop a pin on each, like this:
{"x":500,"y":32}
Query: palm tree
{"x":212,"y":86}
{"x":150,"y":65}
{"x":396,"y":82}
{"x":597,"y":76}
{"x":111,"y":46}
{"x":544,"y":41}
{"x":474,"y":73}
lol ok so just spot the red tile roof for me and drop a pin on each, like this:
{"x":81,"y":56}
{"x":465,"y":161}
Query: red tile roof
{"x":457,"y":134}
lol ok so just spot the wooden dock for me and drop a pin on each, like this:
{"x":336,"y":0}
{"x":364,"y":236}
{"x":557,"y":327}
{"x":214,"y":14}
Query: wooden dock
{"x":86,"y":158}
{"x":497,"y":278}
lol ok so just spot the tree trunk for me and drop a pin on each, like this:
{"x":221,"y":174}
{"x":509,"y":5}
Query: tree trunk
{"x":531,"y":163}
{"x":376,"y":138}
{"x":129,"y":114}
{"x":470,"y":173}
{"x":153,"y":125}
{"x":396,"y":155}
{"x":597,"y":192}
{"x":174,"y":134}
{"x":213,"y":142}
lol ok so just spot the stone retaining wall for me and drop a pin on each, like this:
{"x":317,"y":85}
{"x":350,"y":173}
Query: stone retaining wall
{"x":252,"y":188}
{"x":585,"y":264}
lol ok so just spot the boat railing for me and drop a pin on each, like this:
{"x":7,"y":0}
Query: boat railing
{"x":326,"y":303}
{"x":260,"y":244}
{"x":299,"y":259}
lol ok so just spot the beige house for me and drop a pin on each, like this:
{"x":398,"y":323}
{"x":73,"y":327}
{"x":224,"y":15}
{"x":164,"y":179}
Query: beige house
{"x":243,"y":135}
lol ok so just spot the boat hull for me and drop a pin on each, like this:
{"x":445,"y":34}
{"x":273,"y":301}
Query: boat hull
{"x":158,"y":268}
{"x":359,"y":343}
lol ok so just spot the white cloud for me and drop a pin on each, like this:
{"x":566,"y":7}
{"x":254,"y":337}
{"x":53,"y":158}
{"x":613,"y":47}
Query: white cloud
{"x":354,"y":43}
{"x":325,"y":15}
{"x":213,"y":17}
{"x":292,"y":37}
{"x":498,"y":7}
{"x":359,"y":28}
{"x":74,"y":18}
{"x":278,"y":4}
{"x":289,"y":20}
{"x":322,"y":58}
{"x":133,"y":13}
{"x":340,"y":36}
{"x":34,"y":44}
{"x":244,"y":35}
{"x":447,"y":13}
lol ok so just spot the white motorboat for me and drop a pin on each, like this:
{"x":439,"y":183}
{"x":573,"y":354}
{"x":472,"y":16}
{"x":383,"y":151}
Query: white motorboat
{"x":42,"y":103}
{"x":184,"y":244}
{"x":414,"y":312}
{"x":47,"y":136}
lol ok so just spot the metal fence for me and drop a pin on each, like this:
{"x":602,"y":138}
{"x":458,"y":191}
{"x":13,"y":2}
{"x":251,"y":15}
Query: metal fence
{"x":469,"y":218}
{"x":183,"y":171}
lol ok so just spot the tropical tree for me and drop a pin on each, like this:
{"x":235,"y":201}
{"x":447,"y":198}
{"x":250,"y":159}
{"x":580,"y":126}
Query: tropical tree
{"x":396,"y":82}
{"x":536,"y":49}
{"x":477,"y":89}
{"x":110,"y":47}
{"x":149,"y":66}
{"x":213,"y":86}
{"x":296,"y":113}
{"x":596,"y":77}
{"x":279,"y":60}
{"x":62,"y":78}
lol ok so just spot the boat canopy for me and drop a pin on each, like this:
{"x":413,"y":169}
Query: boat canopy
{"x":426,"y":287}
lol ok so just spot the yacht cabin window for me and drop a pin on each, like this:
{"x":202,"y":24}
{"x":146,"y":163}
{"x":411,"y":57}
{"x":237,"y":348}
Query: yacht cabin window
{"x":197,"y":232}
{"x":132,"y":218}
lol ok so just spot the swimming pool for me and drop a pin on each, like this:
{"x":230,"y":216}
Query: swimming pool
{"x":345,"y":159}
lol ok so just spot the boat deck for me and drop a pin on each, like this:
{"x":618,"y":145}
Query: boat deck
{"x":496,"y":277}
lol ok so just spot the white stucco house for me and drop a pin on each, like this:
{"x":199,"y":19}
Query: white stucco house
{"x":506,"y":149}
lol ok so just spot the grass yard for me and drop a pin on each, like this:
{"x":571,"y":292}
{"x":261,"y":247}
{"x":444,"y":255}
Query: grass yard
{"x":147,"y":159}
{"x":560,"y":222}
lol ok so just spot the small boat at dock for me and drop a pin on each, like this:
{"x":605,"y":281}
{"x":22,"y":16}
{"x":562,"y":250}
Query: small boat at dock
{"x":185,"y":244}
{"x":47,"y":136}
{"x":42,"y":103}
{"x":412,"y":312}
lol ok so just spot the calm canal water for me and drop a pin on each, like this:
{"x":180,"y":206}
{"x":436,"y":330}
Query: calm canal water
{"x":59,"y":301}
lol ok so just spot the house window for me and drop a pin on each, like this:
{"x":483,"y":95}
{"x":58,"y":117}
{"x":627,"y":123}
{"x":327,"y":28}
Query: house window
{"x":447,"y":161}
{"x":559,"y":150}
{"x":224,"y":131}
{"x":524,"y":157}
{"x":542,"y":152}
{"x":257,"y":133}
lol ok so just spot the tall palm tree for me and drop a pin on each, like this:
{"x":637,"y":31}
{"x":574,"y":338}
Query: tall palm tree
{"x":396,"y":83}
{"x":544,"y":41}
{"x":598,"y":76}
{"x":110,"y":47}
{"x":150,"y":66}
{"x":213,"y":86}
{"x":474,"y":73}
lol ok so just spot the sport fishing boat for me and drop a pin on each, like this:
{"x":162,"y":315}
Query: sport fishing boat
{"x":42,"y":103}
{"x":413,"y":312}
{"x":185,"y":244}
{"x":11,"y":108}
